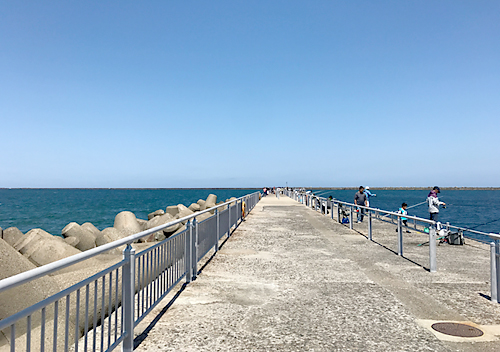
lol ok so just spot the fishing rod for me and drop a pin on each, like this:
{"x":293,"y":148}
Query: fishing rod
{"x":413,"y":206}
{"x":316,"y":194}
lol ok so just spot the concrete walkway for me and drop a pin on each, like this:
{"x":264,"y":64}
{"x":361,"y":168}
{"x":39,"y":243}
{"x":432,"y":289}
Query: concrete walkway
{"x":291,"y":279}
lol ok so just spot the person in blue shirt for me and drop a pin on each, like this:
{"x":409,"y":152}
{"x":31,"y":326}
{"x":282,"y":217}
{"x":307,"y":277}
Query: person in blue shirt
{"x":368,"y":195}
{"x":404,"y":220}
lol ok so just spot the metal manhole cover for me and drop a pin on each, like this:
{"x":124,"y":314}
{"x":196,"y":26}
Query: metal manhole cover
{"x":457,"y":329}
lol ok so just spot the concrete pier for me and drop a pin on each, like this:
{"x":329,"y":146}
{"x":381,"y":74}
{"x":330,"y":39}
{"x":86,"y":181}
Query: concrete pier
{"x":291,"y":279}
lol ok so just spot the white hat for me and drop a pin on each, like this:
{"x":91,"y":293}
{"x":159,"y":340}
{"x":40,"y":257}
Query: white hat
{"x":367,"y":187}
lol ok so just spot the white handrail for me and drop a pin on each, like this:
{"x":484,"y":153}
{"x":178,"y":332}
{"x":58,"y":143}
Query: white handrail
{"x":21,"y":278}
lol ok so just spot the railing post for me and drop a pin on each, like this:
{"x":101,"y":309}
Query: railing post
{"x":400,"y":237}
{"x":338,"y":213}
{"x":194,"y":263}
{"x":229,"y":223}
{"x":495,"y":270}
{"x":188,"y":248}
{"x":128,"y":298}
{"x":370,"y":225}
{"x":237,"y":215}
{"x":216,"y":245}
{"x":350,"y":219}
{"x":432,"y":248}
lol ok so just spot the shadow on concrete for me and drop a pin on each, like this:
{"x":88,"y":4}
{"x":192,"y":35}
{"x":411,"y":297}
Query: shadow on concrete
{"x":140,"y":338}
{"x":393,"y":251}
{"x":488,"y":297}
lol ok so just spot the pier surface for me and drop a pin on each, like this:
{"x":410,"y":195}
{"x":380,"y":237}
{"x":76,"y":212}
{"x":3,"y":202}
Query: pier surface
{"x":291,"y":279}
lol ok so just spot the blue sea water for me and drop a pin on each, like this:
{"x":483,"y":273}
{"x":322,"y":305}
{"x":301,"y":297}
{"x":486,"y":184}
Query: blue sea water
{"x":52,"y":209}
{"x":474,"y":209}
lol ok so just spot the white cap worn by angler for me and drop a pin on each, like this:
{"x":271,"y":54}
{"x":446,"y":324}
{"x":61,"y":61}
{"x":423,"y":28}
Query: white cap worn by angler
{"x":367,"y":187}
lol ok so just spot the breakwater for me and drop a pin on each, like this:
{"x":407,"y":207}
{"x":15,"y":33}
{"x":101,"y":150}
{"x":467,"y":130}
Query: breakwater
{"x":52,"y":209}
{"x":138,"y":278}
{"x":41,"y":247}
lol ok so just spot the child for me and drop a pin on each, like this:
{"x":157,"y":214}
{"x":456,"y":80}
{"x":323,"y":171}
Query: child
{"x":404,"y":220}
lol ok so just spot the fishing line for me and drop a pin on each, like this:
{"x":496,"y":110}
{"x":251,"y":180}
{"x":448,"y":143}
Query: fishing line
{"x":316,"y":194}
{"x":413,"y":206}
{"x":486,"y":223}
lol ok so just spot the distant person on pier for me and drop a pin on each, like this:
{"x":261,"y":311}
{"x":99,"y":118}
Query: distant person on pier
{"x":360,"y":199}
{"x":329,"y":205}
{"x":368,"y":195}
{"x":434,"y":203}
{"x":404,"y":220}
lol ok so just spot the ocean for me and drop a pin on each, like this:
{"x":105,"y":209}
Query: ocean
{"x":53,"y":209}
{"x":473,"y":209}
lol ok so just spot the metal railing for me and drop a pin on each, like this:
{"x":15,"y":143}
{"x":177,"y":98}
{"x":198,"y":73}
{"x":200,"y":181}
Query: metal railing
{"x":100,"y":312}
{"x":345,"y":208}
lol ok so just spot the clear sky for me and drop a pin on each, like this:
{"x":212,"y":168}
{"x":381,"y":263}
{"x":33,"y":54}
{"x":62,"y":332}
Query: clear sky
{"x":249,"y":93}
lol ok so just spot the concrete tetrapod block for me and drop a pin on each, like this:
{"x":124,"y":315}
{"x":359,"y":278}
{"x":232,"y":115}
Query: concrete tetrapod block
{"x":194,"y":207}
{"x":50,"y":250}
{"x":211,"y":205}
{"x":156,"y":213}
{"x":72,"y":241}
{"x":11,"y":235}
{"x":99,"y":264}
{"x":113,"y":233}
{"x":24,"y":296}
{"x":108,"y":235}
{"x":31,"y":240}
{"x":203,"y":216}
{"x":127,"y":223}
{"x":212,"y":199}
{"x":172,"y":210}
{"x":179,"y":230}
{"x":90,"y":227}
{"x":232,"y":200}
{"x":183,"y":212}
{"x":201,"y":203}
{"x":85,"y":237}
{"x":142,"y":223}
{"x":160,"y":220}
{"x":68,"y":278}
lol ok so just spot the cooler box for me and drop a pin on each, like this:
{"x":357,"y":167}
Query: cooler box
{"x":456,"y":238}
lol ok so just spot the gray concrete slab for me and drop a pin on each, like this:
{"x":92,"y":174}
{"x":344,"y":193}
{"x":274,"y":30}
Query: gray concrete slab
{"x":291,"y":279}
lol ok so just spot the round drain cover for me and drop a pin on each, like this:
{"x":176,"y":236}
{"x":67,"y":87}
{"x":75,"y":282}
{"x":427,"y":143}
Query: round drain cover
{"x":457,"y":329}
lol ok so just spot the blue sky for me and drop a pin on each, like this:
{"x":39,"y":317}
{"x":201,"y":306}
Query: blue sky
{"x":249,"y":93}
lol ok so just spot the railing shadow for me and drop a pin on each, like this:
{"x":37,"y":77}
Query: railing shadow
{"x":213,"y":255}
{"x":488,"y":297}
{"x":387,"y":248}
{"x":140,"y":338}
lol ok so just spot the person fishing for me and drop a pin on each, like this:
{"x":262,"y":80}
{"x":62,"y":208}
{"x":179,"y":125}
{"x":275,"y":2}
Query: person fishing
{"x":360,"y":199}
{"x":368,"y":195}
{"x":434,"y":203}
